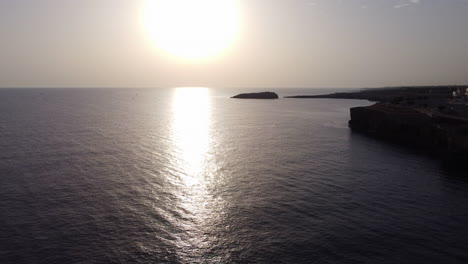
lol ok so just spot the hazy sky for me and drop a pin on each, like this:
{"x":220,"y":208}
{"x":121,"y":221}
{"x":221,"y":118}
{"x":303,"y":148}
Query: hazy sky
{"x":282,"y":43}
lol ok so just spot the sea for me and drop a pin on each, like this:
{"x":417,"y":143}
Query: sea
{"x":189,"y":175}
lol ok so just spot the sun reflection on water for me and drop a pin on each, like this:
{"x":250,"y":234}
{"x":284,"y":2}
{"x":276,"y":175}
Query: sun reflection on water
{"x":192,"y":142}
{"x":191,"y":125}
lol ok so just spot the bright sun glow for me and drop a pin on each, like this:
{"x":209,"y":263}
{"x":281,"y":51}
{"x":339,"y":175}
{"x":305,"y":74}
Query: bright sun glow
{"x":192,"y":29}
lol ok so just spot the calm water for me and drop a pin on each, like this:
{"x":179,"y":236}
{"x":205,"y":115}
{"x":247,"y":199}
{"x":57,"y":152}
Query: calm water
{"x":191,"y":176}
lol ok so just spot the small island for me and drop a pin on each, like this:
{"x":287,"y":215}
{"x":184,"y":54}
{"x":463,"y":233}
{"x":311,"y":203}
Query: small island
{"x":262,"y":95}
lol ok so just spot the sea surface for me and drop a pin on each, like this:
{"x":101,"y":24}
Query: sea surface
{"x":189,"y":175}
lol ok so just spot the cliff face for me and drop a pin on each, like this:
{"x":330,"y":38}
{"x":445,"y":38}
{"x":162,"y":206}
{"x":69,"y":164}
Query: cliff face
{"x":432,"y":118}
{"x":426,"y":130}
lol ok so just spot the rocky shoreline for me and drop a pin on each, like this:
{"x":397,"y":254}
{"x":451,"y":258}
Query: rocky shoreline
{"x":434,"y":119}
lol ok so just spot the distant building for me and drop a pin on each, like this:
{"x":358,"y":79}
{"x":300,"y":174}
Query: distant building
{"x":460,"y":93}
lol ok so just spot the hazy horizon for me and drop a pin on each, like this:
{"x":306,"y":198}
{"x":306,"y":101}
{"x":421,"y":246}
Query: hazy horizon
{"x":300,"y":44}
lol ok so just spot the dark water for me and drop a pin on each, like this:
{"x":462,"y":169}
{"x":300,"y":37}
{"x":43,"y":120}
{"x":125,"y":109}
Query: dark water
{"x":190,"y":176}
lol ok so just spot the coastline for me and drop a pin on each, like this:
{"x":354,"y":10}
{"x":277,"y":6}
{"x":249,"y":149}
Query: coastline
{"x":434,"y":119}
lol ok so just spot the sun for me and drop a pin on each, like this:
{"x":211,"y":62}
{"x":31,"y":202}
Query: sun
{"x":192,"y":29}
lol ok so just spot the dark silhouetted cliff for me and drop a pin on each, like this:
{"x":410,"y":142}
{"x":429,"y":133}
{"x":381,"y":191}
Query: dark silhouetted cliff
{"x":431,"y":118}
{"x":438,"y":133}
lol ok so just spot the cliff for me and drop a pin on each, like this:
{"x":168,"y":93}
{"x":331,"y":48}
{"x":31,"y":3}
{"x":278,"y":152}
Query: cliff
{"x":436,"y":132}
{"x":432,"y":118}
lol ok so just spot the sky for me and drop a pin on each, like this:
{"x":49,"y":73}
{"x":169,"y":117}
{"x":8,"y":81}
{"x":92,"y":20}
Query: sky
{"x":280,"y":43}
